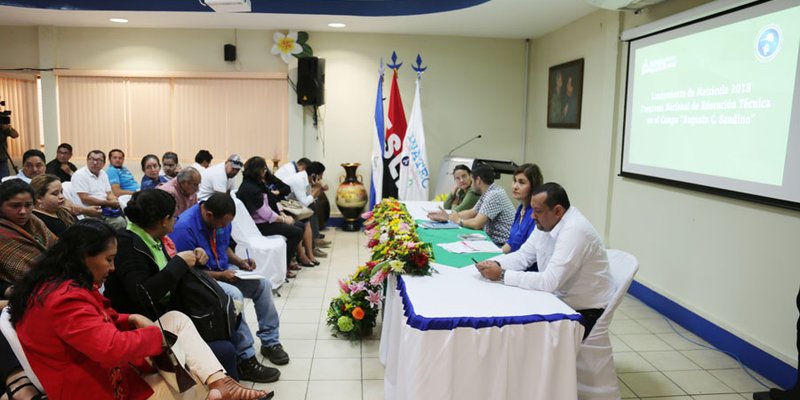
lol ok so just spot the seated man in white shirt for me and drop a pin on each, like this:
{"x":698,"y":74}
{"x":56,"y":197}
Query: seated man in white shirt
{"x":572,"y":261}
{"x":202,"y":160}
{"x":291,"y":168}
{"x":93,"y":188}
{"x":219,"y":178}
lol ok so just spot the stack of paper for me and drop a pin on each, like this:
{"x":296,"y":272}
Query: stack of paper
{"x":472,"y":246}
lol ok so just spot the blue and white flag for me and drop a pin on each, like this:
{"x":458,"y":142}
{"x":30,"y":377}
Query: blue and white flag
{"x":414,"y":168}
{"x":376,"y":188}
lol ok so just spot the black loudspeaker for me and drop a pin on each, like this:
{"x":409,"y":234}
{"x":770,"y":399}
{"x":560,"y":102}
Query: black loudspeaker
{"x":310,"y":81}
{"x":230,"y":52}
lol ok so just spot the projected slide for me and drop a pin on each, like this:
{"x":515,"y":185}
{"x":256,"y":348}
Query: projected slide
{"x":718,"y":102}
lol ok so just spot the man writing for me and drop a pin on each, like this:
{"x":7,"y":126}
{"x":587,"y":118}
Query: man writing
{"x":208,"y":225}
{"x":571,"y":258}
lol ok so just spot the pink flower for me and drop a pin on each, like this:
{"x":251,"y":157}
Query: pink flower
{"x":357,"y":287}
{"x":367,"y":215}
{"x":343,"y":286}
{"x":374,"y":298}
{"x":379,"y":277}
{"x":403,"y":227}
{"x":411,"y":245}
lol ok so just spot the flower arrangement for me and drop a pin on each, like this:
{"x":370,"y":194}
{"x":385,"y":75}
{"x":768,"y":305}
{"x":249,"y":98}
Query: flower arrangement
{"x":394,"y":241}
{"x":354,"y":311}
{"x":396,"y":248}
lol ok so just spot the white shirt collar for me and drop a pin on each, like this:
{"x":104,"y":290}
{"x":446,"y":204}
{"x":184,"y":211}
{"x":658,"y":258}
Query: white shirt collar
{"x":557,"y":229}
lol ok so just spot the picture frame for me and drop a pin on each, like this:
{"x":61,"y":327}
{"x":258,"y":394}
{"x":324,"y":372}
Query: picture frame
{"x":565,"y":95}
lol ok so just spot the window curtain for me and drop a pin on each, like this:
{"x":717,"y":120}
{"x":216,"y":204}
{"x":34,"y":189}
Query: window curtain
{"x":21,"y":94}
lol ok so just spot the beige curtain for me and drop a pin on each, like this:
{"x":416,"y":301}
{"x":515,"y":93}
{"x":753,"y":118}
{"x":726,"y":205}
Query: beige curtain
{"x":21,"y":94}
{"x":154,"y":115}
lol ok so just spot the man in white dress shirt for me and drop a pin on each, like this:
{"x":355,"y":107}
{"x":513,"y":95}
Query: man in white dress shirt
{"x":220,"y":177}
{"x":571,"y":258}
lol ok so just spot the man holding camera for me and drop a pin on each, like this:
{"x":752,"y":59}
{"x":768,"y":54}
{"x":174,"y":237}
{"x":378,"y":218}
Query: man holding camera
{"x":6,"y":131}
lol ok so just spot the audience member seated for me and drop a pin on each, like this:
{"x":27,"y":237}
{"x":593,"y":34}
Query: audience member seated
{"x":33,"y":163}
{"x":202,"y":160}
{"x":463,"y":197}
{"x":219,"y":178}
{"x":23,"y":237}
{"x":208,"y":226}
{"x":280,"y":191}
{"x":527,"y":178}
{"x":572,"y":261}
{"x":6,"y":131}
{"x":151,"y":168}
{"x":315,"y":171}
{"x":170,"y":165}
{"x":291,"y":168}
{"x":61,"y":167}
{"x":49,"y":203}
{"x":494,"y":212}
{"x":119,"y":176}
{"x":263,"y":208}
{"x":297,"y":187}
{"x":183,"y":188}
{"x":80,"y":347}
{"x":94,"y":189}
{"x":147,"y":257}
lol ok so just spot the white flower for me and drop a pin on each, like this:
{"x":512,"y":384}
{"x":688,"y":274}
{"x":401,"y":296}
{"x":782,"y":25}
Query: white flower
{"x":286,"y":45}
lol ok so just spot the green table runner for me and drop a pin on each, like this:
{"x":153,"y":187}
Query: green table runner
{"x":436,"y":236}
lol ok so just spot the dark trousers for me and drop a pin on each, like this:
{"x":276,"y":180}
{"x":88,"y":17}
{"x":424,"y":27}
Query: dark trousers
{"x":226,"y":354}
{"x":314,"y":220}
{"x":292,"y":233}
{"x":590,"y":317}
{"x":8,"y":362}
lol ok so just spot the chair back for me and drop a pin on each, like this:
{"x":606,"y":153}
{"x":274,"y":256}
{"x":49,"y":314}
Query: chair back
{"x":243,"y":226}
{"x":597,"y":377}
{"x":13,"y":340}
{"x":123,"y":201}
{"x":8,"y":178}
{"x":70,"y":194}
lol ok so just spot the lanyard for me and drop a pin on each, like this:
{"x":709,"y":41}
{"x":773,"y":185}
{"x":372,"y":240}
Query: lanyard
{"x":213,"y":240}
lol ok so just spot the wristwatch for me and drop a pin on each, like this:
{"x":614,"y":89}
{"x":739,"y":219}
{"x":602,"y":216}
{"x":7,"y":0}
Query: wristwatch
{"x":502,"y":276}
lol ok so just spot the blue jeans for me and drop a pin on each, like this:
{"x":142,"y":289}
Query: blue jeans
{"x":260,"y":291}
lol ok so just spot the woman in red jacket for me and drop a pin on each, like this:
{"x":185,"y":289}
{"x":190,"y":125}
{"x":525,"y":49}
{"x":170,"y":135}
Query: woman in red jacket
{"x":80,"y":348}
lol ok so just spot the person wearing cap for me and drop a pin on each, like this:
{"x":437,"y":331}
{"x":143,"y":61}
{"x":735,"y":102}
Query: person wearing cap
{"x":219,"y":178}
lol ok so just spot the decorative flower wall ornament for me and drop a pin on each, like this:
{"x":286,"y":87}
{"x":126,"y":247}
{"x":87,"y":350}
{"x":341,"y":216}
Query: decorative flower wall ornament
{"x":291,"y":44}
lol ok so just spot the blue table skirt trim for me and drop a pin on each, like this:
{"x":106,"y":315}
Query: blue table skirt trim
{"x":442,"y":324}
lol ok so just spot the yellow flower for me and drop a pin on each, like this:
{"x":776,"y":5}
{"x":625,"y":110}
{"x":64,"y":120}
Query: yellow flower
{"x":397,"y":266}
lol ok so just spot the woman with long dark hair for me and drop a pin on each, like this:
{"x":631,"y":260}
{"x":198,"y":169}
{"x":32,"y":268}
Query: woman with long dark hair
{"x":263,"y":208}
{"x":80,"y":347}
{"x":527,"y":178}
{"x":147,"y":258}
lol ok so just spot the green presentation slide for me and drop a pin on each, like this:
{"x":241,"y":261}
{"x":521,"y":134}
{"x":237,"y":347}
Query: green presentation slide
{"x":718,"y":102}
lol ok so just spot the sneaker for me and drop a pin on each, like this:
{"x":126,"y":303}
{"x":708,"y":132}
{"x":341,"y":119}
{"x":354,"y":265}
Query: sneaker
{"x":252,"y":370}
{"x":275,"y":354}
{"x":320,"y":253}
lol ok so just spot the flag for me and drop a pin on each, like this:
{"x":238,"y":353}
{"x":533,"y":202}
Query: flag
{"x":395,"y":133}
{"x":376,"y":189}
{"x":414,"y":168}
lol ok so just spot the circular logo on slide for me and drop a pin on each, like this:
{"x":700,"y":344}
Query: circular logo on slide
{"x":768,"y":42}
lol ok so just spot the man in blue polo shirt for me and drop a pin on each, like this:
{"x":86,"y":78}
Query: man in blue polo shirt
{"x":208,"y":225}
{"x":119,"y":176}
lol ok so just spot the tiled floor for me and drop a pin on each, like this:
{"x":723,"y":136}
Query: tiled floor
{"x":652,"y":361}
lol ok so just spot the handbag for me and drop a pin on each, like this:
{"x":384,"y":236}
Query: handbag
{"x":169,"y":366}
{"x":295,"y":209}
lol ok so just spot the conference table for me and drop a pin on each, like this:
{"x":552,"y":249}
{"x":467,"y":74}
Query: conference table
{"x":456,"y":335}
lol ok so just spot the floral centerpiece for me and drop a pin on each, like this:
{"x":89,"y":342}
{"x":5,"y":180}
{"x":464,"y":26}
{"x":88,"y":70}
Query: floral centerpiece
{"x":396,"y":248}
{"x":354,"y":311}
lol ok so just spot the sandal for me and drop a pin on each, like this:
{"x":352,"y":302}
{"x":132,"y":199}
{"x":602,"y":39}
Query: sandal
{"x":230,"y":389}
{"x":11,"y":392}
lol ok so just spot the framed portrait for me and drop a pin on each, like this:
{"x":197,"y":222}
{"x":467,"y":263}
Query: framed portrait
{"x":564,"y":95}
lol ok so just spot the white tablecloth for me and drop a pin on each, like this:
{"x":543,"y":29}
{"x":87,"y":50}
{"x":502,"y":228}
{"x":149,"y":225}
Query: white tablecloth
{"x":454,"y":335}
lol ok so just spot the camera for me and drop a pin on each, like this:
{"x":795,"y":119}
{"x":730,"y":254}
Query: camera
{"x":5,"y":116}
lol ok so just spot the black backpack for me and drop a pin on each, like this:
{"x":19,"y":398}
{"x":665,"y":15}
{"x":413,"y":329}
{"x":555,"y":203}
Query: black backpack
{"x":201,"y":298}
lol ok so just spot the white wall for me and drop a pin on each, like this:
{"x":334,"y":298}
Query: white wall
{"x":732,"y":262}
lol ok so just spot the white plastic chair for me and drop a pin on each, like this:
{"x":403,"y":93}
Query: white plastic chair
{"x":123,"y":201}
{"x":269,"y":252}
{"x":597,"y":376}
{"x":11,"y":336}
{"x":8,"y":178}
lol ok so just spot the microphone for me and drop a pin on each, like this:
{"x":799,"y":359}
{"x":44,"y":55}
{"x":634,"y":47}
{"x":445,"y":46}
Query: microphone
{"x":463,"y":144}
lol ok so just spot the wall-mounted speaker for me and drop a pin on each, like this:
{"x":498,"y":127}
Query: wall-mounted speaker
{"x":230,"y":52}
{"x":310,"y":81}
